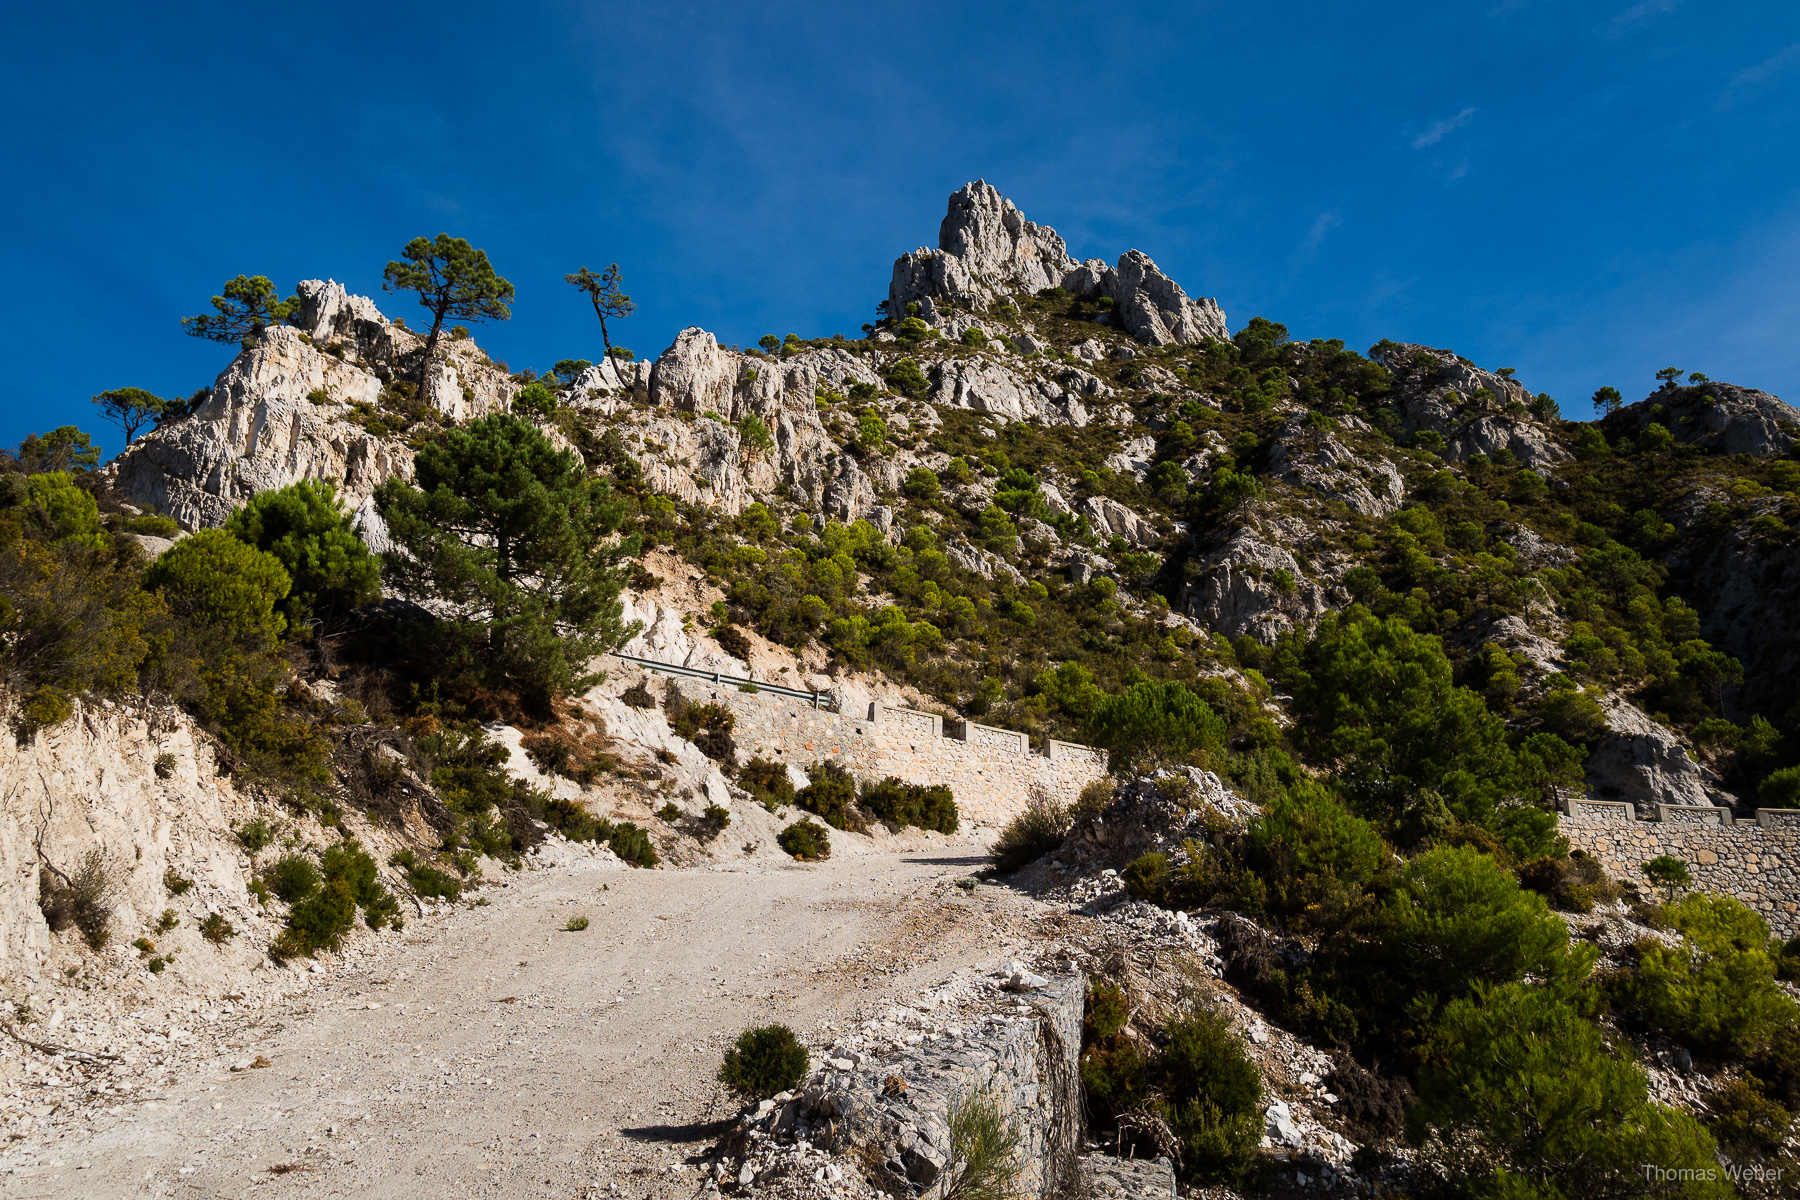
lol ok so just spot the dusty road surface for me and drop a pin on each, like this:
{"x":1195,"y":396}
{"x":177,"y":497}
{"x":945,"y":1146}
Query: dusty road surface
{"x":493,"y":1054}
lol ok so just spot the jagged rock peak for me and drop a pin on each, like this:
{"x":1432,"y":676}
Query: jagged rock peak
{"x":990,"y":234}
{"x":987,"y":250}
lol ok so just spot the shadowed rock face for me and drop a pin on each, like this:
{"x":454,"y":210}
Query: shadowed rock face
{"x":1252,"y":586}
{"x":988,"y":250}
{"x":1720,"y":417}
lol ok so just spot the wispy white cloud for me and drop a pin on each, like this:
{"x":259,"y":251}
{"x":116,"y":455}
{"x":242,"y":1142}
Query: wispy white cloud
{"x":1322,"y":224}
{"x":1751,"y":80}
{"x":1438,"y":130}
{"x":1642,"y":11}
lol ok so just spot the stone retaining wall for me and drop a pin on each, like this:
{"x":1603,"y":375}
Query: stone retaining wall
{"x":1758,"y":863}
{"x":990,"y":770}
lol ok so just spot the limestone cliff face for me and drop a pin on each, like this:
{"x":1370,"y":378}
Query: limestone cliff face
{"x":1745,"y":584}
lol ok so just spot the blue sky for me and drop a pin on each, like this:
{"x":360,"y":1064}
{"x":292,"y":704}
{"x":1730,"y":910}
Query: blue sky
{"x":1583,"y":191}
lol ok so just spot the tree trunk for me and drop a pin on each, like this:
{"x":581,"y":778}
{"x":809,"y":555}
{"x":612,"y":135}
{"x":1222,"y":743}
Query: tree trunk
{"x":437,"y":324}
{"x":604,"y":340}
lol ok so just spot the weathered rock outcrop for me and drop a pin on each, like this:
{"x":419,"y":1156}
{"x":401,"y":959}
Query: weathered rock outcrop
{"x":990,"y":387}
{"x":279,"y":414}
{"x":258,"y":430}
{"x":704,"y":461}
{"x":695,"y":374}
{"x":1149,"y":305}
{"x":605,"y":381}
{"x":1251,"y":586}
{"x":1640,"y":761}
{"x":1312,"y":458}
{"x":1012,"y":1039}
{"x":1110,"y":518}
{"x":987,"y":250}
{"x":1720,"y":417}
{"x":1474,"y":411}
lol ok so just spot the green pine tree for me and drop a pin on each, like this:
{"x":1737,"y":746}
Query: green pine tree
{"x":519,"y":548}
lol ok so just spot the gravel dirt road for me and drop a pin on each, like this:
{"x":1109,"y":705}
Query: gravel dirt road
{"x":491,"y":1053}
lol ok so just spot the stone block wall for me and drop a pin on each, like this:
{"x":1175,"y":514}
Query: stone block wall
{"x":990,"y":770}
{"x":1757,"y":864}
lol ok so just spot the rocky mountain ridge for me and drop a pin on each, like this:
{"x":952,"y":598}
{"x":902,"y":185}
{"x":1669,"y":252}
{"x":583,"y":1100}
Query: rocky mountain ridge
{"x":721,"y":429}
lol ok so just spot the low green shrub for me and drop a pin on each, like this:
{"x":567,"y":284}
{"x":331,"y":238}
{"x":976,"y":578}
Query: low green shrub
{"x":425,"y":880}
{"x":164,"y":765}
{"x":766,"y":1060}
{"x":175,"y":883}
{"x":707,"y":725}
{"x":1528,"y":1100}
{"x":631,"y":843}
{"x":669,"y":813}
{"x":1313,"y":856}
{"x":806,"y":840}
{"x":216,"y":929}
{"x":901,"y":804}
{"x":1144,"y":875}
{"x":167,"y":921}
{"x":1669,"y":874}
{"x":151,"y":525}
{"x":1031,"y":834}
{"x":731,"y":639}
{"x":1715,"y":993}
{"x":718,"y":816}
{"x":831,"y":794}
{"x":767,"y":782}
{"x":1571,"y":884}
{"x":320,"y":920}
{"x":576,"y":925}
{"x":1453,"y":918}
{"x":984,"y":1151}
{"x":1746,"y":1120}
{"x":317,"y":922}
{"x":254,"y":835}
{"x":293,"y":878}
{"x":1113,"y":1067}
{"x":1211,"y":1094}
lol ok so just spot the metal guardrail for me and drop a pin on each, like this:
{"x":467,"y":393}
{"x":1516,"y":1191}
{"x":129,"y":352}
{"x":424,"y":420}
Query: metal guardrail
{"x":816,"y":699}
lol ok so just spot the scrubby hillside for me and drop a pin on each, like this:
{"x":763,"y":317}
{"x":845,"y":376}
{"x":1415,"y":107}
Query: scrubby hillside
{"x":1392,"y":598}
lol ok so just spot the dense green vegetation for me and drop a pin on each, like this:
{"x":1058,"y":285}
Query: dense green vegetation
{"x":228,"y":622}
